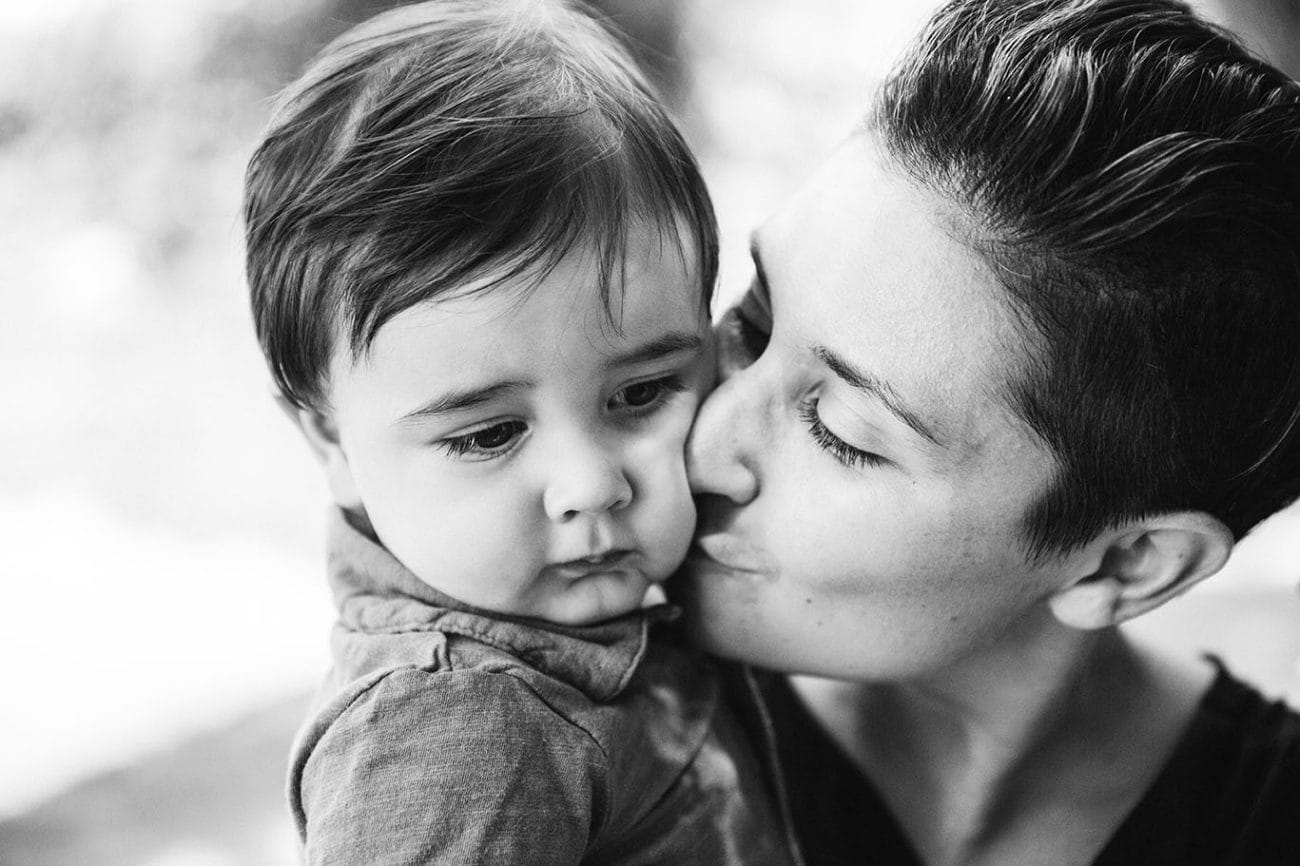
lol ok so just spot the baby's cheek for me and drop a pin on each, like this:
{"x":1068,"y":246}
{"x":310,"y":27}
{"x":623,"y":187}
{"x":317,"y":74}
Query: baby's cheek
{"x":662,"y":441}
{"x":659,"y":458}
{"x":673,"y":529}
{"x":667,"y":511}
{"x":682,"y":419}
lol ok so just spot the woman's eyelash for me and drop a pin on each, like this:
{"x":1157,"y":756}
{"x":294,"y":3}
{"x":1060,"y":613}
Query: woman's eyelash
{"x":839,"y":449}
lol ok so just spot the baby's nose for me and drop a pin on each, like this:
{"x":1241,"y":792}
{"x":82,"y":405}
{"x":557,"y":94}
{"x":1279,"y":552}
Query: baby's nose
{"x":592,"y":483}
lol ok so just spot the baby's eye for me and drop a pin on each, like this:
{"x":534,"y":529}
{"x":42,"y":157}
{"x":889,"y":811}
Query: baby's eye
{"x":485,"y":442}
{"x":640,"y":398}
{"x":642,"y":393}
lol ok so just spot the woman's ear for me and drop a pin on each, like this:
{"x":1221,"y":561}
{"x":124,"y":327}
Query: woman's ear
{"x":1143,"y":565}
{"x":322,"y":435}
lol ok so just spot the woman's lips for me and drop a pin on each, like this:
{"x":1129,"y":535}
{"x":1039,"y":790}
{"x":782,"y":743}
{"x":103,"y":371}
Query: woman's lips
{"x":731,"y":554}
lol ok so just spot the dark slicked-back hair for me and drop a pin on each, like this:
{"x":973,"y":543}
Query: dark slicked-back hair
{"x":450,"y":143}
{"x":1132,"y":177}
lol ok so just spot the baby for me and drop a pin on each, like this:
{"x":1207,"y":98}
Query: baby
{"x":480,"y":258}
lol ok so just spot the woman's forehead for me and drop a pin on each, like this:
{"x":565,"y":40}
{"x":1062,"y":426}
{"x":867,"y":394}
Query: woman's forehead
{"x":864,"y":262}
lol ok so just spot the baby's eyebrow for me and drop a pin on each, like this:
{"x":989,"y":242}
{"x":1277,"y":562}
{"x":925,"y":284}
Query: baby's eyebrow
{"x":466,"y":398}
{"x":668,"y":344}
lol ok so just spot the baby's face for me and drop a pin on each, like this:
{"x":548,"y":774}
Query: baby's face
{"x":519,"y":453}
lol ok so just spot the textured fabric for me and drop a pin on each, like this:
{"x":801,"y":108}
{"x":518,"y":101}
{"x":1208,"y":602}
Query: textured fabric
{"x":448,"y":735}
{"x":1229,"y":795}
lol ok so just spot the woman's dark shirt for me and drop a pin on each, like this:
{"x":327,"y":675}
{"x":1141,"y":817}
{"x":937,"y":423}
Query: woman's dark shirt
{"x":1229,"y":795}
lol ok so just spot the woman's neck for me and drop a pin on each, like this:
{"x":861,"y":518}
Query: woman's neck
{"x":1065,"y":721}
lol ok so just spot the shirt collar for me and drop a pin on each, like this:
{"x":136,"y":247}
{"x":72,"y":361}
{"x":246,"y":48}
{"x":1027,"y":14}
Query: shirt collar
{"x":376,"y":594}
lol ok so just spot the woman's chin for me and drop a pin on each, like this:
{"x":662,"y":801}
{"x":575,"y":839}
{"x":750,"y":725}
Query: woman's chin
{"x":723,"y":617}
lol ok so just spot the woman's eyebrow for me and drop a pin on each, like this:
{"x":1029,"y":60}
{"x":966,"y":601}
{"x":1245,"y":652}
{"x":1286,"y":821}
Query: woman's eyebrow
{"x":869,"y":384}
{"x":851,"y":375}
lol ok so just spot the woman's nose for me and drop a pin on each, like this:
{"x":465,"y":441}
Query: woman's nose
{"x":723,"y":446}
{"x":590,"y":481}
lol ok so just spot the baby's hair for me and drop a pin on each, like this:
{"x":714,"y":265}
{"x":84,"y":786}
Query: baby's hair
{"x":448,"y":144}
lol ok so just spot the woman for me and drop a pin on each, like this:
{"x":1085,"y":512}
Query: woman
{"x":1019,"y":364}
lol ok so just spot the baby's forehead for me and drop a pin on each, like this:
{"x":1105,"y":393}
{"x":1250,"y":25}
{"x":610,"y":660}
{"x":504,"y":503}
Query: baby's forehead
{"x":570,"y":312}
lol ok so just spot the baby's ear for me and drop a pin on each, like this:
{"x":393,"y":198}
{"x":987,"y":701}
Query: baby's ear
{"x":322,"y":435}
{"x":1140,"y":566}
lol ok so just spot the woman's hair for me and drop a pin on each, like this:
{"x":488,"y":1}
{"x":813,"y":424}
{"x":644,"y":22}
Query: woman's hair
{"x":446,"y":143}
{"x":1132,"y":177}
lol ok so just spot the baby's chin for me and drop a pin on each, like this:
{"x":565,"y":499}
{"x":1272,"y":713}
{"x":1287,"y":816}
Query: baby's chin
{"x":599,"y":597}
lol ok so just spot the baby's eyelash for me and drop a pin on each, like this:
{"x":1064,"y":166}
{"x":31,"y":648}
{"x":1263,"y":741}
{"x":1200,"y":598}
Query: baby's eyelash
{"x":485,"y":442}
{"x":673,"y":383}
{"x":838,"y":448}
{"x":496,"y":440}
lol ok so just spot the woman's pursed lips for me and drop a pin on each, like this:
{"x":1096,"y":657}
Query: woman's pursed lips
{"x":730,"y":553}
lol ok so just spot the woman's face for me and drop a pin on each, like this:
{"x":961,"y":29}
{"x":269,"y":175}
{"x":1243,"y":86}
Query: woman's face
{"x":861,"y":484}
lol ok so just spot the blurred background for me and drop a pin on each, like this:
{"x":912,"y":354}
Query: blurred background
{"x":164,"y":610}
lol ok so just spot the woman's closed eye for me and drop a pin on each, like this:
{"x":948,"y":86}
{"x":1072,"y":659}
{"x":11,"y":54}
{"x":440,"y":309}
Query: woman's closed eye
{"x":639,"y":399}
{"x":839,"y":449}
{"x":486,"y":442}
